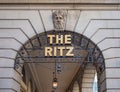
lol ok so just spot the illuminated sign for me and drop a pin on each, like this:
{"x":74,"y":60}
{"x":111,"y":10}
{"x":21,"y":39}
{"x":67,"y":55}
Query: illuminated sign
{"x":61,"y":46}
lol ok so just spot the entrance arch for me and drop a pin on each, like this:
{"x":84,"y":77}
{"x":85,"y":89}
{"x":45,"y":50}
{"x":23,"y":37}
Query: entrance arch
{"x":85,"y":51}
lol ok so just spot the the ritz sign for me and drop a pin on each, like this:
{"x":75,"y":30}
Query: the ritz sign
{"x":60,"y":45}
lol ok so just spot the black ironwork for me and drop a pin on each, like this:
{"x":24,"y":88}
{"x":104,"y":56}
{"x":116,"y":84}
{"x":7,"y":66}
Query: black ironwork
{"x":84,"y":50}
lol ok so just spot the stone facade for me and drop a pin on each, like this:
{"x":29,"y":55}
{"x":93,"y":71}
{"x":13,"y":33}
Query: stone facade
{"x":100,"y":24}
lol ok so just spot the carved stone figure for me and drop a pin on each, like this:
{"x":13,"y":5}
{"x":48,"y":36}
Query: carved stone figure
{"x":59,"y":20}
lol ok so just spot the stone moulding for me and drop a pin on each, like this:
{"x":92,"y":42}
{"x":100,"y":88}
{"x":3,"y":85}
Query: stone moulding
{"x":61,"y":1}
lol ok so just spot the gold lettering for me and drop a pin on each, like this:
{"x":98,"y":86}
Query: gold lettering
{"x":67,"y":39}
{"x":48,"y":51}
{"x":58,"y":50}
{"x":55,"y":51}
{"x":61,"y":50}
{"x":51,"y":38}
{"x":59,"y":39}
{"x":69,"y":53}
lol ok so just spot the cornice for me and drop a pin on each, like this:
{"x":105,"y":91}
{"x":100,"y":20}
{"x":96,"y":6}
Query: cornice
{"x":60,"y":4}
{"x":69,"y":6}
{"x":62,"y":1}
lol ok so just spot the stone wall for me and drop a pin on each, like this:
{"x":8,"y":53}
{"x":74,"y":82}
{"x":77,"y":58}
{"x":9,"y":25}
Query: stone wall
{"x":18,"y":26}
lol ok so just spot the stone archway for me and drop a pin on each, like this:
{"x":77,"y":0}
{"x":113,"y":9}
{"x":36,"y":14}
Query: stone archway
{"x":85,"y":51}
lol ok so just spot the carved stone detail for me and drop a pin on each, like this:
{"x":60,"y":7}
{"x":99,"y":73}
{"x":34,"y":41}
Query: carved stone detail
{"x":59,"y":20}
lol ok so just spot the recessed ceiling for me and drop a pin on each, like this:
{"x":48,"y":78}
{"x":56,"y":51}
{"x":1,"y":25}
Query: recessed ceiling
{"x":45,"y":73}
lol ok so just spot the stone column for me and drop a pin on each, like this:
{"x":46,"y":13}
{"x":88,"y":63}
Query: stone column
{"x":75,"y":87}
{"x":88,"y":78}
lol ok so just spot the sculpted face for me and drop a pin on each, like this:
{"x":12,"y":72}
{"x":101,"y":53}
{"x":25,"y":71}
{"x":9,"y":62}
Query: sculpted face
{"x":58,"y":19}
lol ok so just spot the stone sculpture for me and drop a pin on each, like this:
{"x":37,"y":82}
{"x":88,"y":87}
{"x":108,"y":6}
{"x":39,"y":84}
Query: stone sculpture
{"x":59,"y":20}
